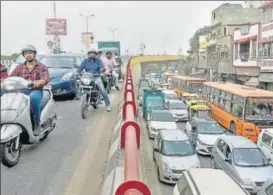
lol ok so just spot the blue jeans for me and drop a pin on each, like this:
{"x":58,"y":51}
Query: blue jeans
{"x":102,"y":90}
{"x":36,"y":97}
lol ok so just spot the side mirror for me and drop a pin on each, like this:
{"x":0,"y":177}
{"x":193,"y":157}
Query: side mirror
{"x":4,"y":69}
{"x":156,"y":150}
{"x":228,"y":160}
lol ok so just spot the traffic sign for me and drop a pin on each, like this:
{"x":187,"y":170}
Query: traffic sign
{"x":50,"y":44}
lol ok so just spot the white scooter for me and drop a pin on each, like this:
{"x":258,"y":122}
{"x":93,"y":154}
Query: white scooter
{"x":17,"y":119}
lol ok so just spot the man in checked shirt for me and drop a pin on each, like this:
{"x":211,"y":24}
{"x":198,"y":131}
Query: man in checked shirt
{"x":37,"y":72}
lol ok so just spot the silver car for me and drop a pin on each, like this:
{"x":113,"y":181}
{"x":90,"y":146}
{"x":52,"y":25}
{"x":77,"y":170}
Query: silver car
{"x":178,"y":109}
{"x":267,"y":188}
{"x":243,"y":160}
{"x":173,"y":153}
{"x":208,"y":130}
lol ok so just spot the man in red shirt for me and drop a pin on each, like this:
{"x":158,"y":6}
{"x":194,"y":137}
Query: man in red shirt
{"x":3,"y":74}
{"x":37,"y":72}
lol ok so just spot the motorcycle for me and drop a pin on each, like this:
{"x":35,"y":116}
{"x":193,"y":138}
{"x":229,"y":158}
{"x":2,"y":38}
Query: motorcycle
{"x":17,"y":120}
{"x":90,"y":94}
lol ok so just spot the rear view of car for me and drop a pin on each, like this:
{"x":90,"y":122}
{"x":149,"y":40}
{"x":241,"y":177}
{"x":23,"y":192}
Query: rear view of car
{"x":178,"y":109}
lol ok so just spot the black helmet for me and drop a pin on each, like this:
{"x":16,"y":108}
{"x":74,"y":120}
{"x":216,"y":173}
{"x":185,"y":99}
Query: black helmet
{"x":92,"y":51}
{"x":28,"y":48}
{"x":108,"y":52}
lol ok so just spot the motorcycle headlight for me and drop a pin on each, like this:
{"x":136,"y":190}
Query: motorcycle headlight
{"x":86,"y":81}
{"x":67,"y":76}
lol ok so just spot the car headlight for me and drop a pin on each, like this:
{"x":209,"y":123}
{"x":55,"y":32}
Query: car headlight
{"x":200,"y":142}
{"x":247,"y":182}
{"x":86,"y":81}
{"x":67,"y":76}
{"x":166,"y":167}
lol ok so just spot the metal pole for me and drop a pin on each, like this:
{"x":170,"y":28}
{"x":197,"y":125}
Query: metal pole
{"x":86,"y":20}
{"x":54,"y":9}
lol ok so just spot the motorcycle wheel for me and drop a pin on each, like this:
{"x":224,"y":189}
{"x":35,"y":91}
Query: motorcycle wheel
{"x":77,"y":91}
{"x":108,"y":89}
{"x":9,"y":155}
{"x":84,"y":106}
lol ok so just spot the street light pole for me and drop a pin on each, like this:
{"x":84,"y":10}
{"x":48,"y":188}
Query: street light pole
{"x":87,"y":26}
{"x":113,"y":32}
{"x":54,"y":9}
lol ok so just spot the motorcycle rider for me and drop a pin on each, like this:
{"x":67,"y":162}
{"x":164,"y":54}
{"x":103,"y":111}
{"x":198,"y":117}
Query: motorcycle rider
{"x":109,"y":63}
{"x":99,"y":53}
{"x":119,"y":62}
{"x":94,"y":65}
{"x":35,"y":71}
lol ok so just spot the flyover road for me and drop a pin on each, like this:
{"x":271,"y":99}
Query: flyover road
{"x":71,"y":160}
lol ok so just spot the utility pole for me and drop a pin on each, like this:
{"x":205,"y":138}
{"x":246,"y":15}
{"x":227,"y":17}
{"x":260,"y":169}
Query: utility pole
{"x":113,"y":32}
{"x":87,"y":44}
{"x":57,"y":40}
{"x":54,"y":9}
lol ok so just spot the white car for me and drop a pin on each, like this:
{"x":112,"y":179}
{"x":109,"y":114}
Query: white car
{"x":178,"y":109}
{"x":173,"y":153}
{"x":265,"y":143}
{"x":159,"y":120}
{"x":169,"y":95}
{"x":208,"y":131}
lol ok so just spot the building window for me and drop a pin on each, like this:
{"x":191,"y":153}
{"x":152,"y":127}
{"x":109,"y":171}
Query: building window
{"x":214,"y":16}
{"x":244,"y":51}
{"x":225,"y":31}
{"x":254,"y":48}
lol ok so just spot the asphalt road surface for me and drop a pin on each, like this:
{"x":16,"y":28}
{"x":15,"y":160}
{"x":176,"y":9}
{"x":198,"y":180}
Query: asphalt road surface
{"x":67,"y":161}
{"x":148,"y":166}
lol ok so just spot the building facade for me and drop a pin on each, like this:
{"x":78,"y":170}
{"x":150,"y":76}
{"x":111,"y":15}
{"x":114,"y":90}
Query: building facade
{"x":266,"y":46}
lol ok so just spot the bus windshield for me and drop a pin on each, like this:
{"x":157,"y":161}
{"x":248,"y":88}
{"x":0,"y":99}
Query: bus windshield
{"x":259,"y":108}
{"x":194,"y":87}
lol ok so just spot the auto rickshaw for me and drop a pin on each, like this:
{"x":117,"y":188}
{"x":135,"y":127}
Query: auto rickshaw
{"x":196,"y":102}
{"x":199,"y":111}
{"x":187,"y":97}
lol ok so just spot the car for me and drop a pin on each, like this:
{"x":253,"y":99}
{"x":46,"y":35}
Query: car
{"x":173,"y":153}
{"x":160,"y":119}
{"x":241,"y":159}
{"x":267,"y":188}
{"x":208,"y":130}
{"x":265,"y":143}
{"x":169,"y":95}
{"x":178,"y":109}
{"x":205,"y":181}
{"x":62,"y":69}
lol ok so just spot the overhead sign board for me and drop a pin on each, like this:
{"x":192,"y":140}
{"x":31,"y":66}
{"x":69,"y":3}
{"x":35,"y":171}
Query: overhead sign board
{"x":56,"y":26}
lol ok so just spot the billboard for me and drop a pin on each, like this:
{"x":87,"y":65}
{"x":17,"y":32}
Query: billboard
{"x":56,"y":26}
{"x":87,"y":37}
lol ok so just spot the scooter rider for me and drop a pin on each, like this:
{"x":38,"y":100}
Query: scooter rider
{"x":37,"y":72}
{"x":110,"y":62}
{"x":94,"y":65}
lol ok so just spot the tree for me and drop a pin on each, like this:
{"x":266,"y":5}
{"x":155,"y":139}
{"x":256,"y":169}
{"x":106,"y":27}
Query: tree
{"x":194,"y":41}
{"x":15,"y":55}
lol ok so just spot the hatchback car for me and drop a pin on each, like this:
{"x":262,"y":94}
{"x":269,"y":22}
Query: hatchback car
{"x":241,"y":159}
{"x":265,"y":143}
{"x":173,"y":153}
{"x":178,"y":109}
{"x":158,"y":120}
{"x":204,"y":181}
{"x":267,"y":188}
{"x":208,"y":130}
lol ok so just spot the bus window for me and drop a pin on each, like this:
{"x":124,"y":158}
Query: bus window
{"x":222,"y":99}
{"x":211,"y":95}
{"x":237,"y":106}
{"x":216,"y":97}
{"x":259,"y":109}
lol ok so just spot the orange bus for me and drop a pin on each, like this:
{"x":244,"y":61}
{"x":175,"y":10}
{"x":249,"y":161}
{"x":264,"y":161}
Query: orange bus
{"x":243,"y":110}
{"x":186,"y":84}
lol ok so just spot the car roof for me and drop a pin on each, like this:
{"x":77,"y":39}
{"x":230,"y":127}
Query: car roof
{"x":238,"y":141}
{"x":204,"y":120}
{"x":167,"y":91}
{"x":176,"y":101}
{"x":173,"y":135}
{"x":218,"y":183}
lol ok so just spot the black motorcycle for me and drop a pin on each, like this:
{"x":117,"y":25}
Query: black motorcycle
{"x":90,"y":94}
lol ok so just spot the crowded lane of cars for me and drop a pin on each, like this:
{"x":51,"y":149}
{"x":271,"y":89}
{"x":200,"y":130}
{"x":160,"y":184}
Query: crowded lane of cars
{"x":177,"y":151}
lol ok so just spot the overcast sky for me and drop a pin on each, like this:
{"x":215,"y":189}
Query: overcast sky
{"x":23,"y":22}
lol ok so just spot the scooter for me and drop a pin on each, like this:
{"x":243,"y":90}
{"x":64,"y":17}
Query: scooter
{"x":17,"y":121}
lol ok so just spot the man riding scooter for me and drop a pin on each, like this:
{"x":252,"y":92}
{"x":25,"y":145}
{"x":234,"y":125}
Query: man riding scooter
{"x":120,"y":63}
{"x":94,"y":65}
{"x":37,"y":72}
{"x":110,"y":63}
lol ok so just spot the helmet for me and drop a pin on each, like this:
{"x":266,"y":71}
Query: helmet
{"x":92,"y":51}
{"x":28,"y":48}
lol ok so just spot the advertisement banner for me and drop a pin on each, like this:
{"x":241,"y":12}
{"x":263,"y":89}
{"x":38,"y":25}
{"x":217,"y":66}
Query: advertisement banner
{"x":87,"y":37}
{"x":56,"y":26}
{"x":202,"y":42}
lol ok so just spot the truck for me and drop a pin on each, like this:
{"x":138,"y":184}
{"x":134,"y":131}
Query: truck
{"x":153,"y":99}
{"x":113,"y":46}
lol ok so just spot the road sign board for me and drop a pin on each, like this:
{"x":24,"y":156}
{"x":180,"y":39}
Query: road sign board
{"x":50,"y":44}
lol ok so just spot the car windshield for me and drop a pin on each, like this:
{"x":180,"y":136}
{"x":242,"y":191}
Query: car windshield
{"x":154,"y":103}
{"x":177,"y":105}
{"x":177,"y":148}
{"x":171,"y":96}
{"x":20,"y":59}
{"x":210,"y":128}
{"x":259,"y":109}
{"x":164,"y":117}
{"x":249,"y":157}
{"x":59,"y":61}
{"x":203,"y":113}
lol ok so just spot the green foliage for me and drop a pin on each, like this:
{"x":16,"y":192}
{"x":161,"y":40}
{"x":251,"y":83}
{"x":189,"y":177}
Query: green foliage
{"x":15,"y":55}
{"x":194,"y":41}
